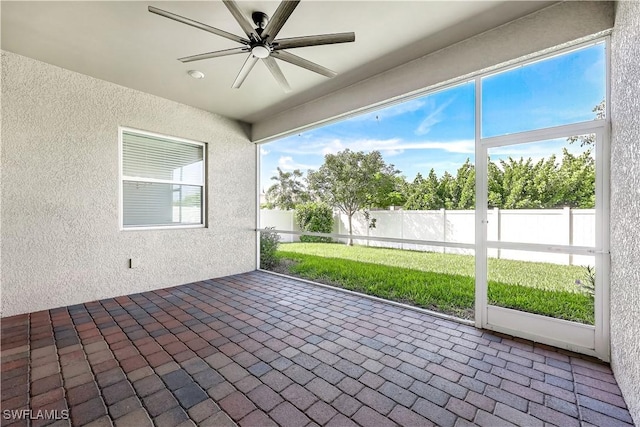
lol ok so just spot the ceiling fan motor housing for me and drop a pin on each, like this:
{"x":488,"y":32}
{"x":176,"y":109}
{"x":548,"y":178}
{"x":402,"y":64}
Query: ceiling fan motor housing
{"x":261,"y":20}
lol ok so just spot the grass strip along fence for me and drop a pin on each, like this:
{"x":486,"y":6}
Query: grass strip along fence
{"x":440,"y":282}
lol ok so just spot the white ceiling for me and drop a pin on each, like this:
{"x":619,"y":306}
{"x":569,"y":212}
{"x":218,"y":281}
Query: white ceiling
{"x":123,"y":43}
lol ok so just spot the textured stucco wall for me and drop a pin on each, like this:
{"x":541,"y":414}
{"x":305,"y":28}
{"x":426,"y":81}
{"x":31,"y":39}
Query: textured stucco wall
{"x":61,"y":242}
{"x":625,"y":203}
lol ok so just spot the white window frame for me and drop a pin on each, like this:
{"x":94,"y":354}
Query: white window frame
{"x":123,"y":178}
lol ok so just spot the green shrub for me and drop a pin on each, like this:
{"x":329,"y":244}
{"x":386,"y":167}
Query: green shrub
{"x":316,"y":217}
{"x":269,"y":241}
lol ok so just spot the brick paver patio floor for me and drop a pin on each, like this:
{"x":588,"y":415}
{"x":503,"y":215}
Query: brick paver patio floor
{"x":258,"y":350}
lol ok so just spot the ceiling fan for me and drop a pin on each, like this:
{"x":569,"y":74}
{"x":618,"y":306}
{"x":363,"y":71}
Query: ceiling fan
{"x":261,"y":42}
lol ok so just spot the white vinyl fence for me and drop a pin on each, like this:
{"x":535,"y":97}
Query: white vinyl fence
{"x":546,"y":226}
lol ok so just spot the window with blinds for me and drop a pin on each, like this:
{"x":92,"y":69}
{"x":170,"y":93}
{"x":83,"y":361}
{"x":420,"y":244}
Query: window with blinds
{"x":163,"y":181}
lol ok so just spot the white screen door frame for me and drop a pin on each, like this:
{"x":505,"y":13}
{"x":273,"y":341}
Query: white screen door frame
{"x":587,"y":339}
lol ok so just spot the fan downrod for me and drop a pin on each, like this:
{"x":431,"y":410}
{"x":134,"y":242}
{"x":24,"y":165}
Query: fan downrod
{"x":261,"y":20}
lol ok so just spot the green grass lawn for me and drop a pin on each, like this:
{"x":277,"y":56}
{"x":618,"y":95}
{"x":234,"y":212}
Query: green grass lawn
{"x":441,"y":282}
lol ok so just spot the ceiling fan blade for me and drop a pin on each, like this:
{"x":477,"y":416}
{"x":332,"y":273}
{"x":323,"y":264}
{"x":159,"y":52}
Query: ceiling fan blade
{"x":280,"y":16}
{"x":301,"y":62}
{"x":215,"y":54}
{"x":272,"y":65}
{"x":197,"y":24}
{"x":242,"y":19}
{"x":321,"y":39}
{"x":244,"y":71}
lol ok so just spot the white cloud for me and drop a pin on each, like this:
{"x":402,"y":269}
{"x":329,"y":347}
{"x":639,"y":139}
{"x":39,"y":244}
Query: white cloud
{"x":464,"y":146}
{"x":286,"y":163}
{"x":263,"y":151}
{"x":388,"y":147}
{"x":433,"y":118}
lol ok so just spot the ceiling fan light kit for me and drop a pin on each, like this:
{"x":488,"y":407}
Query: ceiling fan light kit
{"x":261,"y":42}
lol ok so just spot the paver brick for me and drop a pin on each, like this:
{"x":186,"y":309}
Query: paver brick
{"x":560,"y":405}
{"x":507,"y":398}
{"x":82,"y":393}
{"x":323,"y":389}
{"x":176,"y":379}
{"x":299,"y":374}
{"x":288,"y":415}
{"x":604,"y":396}
{"x":552,"y":390}
{"x":350,"y":386}
{"x":366,"y":416}
{"x":265,"y":398}
{"x":346,"y":404}
{"x":434,"y":413}
{"x":552,"y":416}
{"x":398,"y":394}
{"x":605,"y":408}
{"x":349,"y":368}
{"x":276,"y":380}
{"x":341,"y":421}
{"x":117,"y":392}
{"x":329,"y":374}
{"x":203,"y":410}
{"x":299,"y":396}
{"x":173,"y":417}
{"x":219,"y":391}
{"x":159,"y":402}
{"x":375,"y":400}
{"x":596,"y":383}
{"x":88,"y":411}
{"x":257,"y":418}
{"x":403,"y":380}
{"x":320,"y":412}
{"x":484,"y":419}
{"x":124,"y":407}
{"x":138,"y":418}
{"x":599,"y":419}
{"x":522,"y":391}
{"x":406,"y":417}
{"x":517,"y":417}
{"x":190,"y":395}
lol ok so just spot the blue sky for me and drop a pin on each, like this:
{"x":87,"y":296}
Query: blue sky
{"x":437,"y":130}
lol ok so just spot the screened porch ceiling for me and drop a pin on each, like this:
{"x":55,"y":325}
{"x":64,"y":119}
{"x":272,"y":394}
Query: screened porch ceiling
{"x":123,"y":43}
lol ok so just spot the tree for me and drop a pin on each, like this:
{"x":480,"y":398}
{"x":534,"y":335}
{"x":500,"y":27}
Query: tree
{"x":447,"y":190}
{"x":353,"y":181}
{"x":466,"y":186}
{"x":518,"y":188}
{"x":495,"y":185}
{"x":288,"y":191}
{"x":316,"y":217}
{"x":423,"y":194}
{"x":590,"y":139}
{"x":577,"y":175}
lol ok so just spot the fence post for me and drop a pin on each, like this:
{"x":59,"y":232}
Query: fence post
{"x":498,"y":214}
{"x":568,"y":220}
{"x":444,"y":228}
{"x":402,"y":228}
{"x":293,"y":236}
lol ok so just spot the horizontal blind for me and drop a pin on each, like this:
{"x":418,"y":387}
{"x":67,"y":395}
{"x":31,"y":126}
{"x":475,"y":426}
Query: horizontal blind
{"x":163,"y":159}
{"x":162,"y":183}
